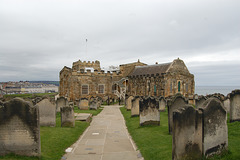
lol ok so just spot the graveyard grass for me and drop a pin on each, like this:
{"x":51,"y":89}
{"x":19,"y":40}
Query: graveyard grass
{"x":54,"y":140}
{"x":154,"y":142}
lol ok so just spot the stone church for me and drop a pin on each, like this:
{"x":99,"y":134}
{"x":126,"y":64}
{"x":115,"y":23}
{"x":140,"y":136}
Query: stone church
{"x":86,"y":80}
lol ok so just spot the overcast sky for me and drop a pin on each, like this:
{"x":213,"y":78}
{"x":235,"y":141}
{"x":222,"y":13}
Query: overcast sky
{"x":39,"y":38}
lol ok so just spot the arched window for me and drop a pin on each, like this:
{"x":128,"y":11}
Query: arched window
{"x":179,"y":86}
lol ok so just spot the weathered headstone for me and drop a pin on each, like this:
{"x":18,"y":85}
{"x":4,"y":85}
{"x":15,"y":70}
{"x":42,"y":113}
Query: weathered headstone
{"x":83,"y":104}
{"x":215,"y":131}
{"x":93,"y":104}
{"x":235,"y":106}
{"x":129,"y":103}
{"x":162,"y":104}
{"x":67,"y":117}
{"x":19,"y":128}
{"x":135,"y":106}
{"x":61,"y":102}
{"x":149,"y":111}
{"x":226,"y":104}
{"x":187,"y":133}
{"x":177,"y":102}
{"x":200,"y":100}
{"x":47,"y":113}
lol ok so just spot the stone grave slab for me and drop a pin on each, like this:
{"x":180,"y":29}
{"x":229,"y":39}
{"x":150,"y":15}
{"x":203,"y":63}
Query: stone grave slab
{"x":149,"y":111}
{"x":47,"y":113}
{"x":19,"y":128}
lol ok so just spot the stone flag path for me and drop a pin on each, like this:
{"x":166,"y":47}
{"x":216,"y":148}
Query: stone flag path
{"x":106,"y":138}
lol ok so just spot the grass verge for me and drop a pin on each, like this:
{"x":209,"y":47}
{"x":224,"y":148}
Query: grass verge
{"x":155,"y":143}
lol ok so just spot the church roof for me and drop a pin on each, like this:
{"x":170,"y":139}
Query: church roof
{"x":151,"y":69}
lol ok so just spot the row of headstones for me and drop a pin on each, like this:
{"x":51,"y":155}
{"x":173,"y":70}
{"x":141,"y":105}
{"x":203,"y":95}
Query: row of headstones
{"x":147,"y":108}
{"x":83,"y":104}
{"x":231,"y":104}
{"x":209,"y":122}
{"x":20,"y":123}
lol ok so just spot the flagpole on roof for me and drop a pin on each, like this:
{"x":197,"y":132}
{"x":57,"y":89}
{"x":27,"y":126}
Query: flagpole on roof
{"x":86,"y":47}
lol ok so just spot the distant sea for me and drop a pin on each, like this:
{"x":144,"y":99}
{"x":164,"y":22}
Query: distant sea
{"x":204,"y":90}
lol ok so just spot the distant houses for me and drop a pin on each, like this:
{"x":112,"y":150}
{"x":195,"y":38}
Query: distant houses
{"x":26,"y":87}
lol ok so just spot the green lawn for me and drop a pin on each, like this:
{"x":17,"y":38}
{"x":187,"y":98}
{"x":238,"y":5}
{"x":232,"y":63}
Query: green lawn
{"x":155,"y":143}
{"x":54,"y":140}
{"x":9,"y":96}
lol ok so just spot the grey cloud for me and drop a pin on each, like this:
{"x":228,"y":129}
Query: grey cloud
{"x":44,"y":36}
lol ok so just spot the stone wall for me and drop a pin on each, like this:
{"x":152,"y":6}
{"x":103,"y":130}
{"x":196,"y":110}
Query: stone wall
{"x":19,"y":128}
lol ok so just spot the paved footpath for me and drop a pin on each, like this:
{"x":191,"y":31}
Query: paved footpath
{"x":106,"y":138}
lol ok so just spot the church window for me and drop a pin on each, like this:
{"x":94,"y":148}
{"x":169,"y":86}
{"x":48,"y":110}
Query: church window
{"x":186,"y":87}
{"x":101,"y":88}
{"x":179,"y":86}
{"x":84,"y":89}
{"x":170,"y":87}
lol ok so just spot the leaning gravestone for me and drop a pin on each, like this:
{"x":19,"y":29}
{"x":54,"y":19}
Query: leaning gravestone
{"x":200,"y":100}
{"x":129,"y":103}
{"x":235,"y":106}
{"x":162,"y":104}
{"x":83,"y":104}
{"x":67,"y":117}
{"x":47,"y":113}
{"x":177,"y":102}
{"x":19,"y":128}
{"x":187,"y":133}
{"x":61,"y":102}
{"x":135,"y":106}
{"x":149,"y":111}
{"x":93,"y":104}
{"x":215,"y":131}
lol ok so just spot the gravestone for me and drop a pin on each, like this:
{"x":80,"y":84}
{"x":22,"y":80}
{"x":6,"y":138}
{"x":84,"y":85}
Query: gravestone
{"x":19,"y":128}
{"x":226,"y":104}
{"x":93,"y":104}
{"x":187,"y":133}
{"x":235,"y":106}
{"x":47,"y":113}
{"x":83,"y":104}
{"x":129,"y":103}
{"x":200,"y":100}
{"x":215,"y":131}
{"x":71,"y":104}
{"x":162,"y":104}
{"x":149,"y":111}
{"x":61,"y":102}
{"x":67,"y":117}
{"x":177,"y":102}
{"x":135,"y":106}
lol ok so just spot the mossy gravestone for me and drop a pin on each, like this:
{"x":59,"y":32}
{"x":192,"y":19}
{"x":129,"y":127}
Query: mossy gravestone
{"x":177,"y":102}
{"x":215,"y":131}
{"x":61,"y":102}
{"x":19,"y":128}
{"x":67,"y":117}
{"x":187,"y":133}
{"x":129,"y":103}
{"x":149,"y":111}
{"x":235,"y":106}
